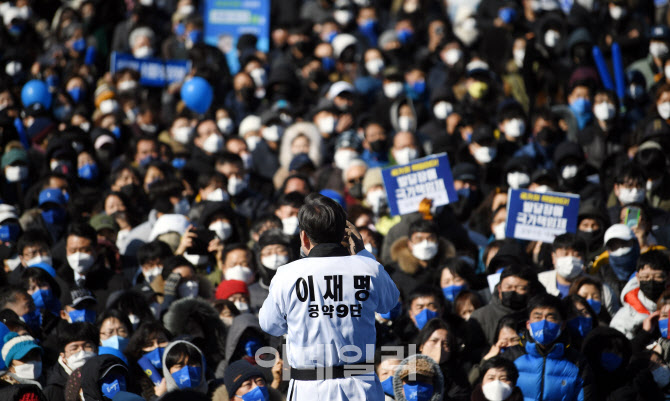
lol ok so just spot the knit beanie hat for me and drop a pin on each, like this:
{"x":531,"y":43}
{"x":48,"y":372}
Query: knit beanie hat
{"x":237,"y":373}
{"x":17,"y":346}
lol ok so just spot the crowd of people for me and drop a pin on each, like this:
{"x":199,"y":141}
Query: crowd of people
{"x":140,"y":234}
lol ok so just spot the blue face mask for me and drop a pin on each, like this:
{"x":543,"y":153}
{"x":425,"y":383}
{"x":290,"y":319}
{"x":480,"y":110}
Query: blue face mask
{"x":251,"y":346}
{"x":330,"y":36}
{"x":182,"y":207}
{"x":54,"y":216}
{"x":195,"y":36}
{"x":387,"y":386}
{"x":545,"y":332}
{"x":187,"y":377}
{"x":581,"y":108}
{"x":328,"y":63}
{"x":405,"y":35}
{"x":88,"y":172}
{"x":145,"y":162}
{"x":117,"y":132}
{"x":33,"y":320}
{"x":44,"y":299}
{"x":580,"y":325}
{"x":451,"y":292}
{"x":625,"y":265}
{"x":16,"y":30}
{"x":418,"y":391}
{"x":9,"y":232}
{"x":596,"y":305}
{"x":116,"y":342}
{"x":179,"y":163}
{"x":259,"y":393}
{"x":82,"y":315}
{"x":663,"y":327}
{"x":79,"y":45}
{"x":53,"y":81}
{"x":507,"y":14}
{"x":369,"y":27}
{"x":419,"y":87}
{"x":464,"y":192}
{"x":424,"y":316}
{"x":610,"y":362}
{"x":112,"y":384}
{"x":76,"y":93}
{"x":156,"y":357}
{"x":180,"y":29}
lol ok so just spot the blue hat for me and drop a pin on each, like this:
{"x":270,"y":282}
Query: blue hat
{"x":53,"y":195}
{"x":334,"y":195}
{"x":17,"y":346}
{"x":112,"y":351}
{"x":126,"y":396}
{"x":46,"y":267}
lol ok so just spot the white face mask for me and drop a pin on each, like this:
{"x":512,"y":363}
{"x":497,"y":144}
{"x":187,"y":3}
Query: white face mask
{"x":569,"y":171}
{"x":631,"y":195}
{"x":405,"y":155}
{"x":236,"y":185}
{"x":134,"y":320}
{"x":515,"y":127}
{"x":243,"y":307}
{"x":125,"y":86}
{"x":376,"y":200}
{"x":664,"y":110}
{"x":218,"y":195}
{"x":651,"y":185}
{"x":452,"y":56}
{"x":658,"y":49}
{"x":424,"y":250}
{"x":252,"y":142}
{"x":497,"y":390}
{"x":78,"y":360}
{"x":259,"y":76}
{"x":604,"y":111}
{"x":29,"y":370}
{"x":519,"y":55}
{"x":484,"y":154}
{"x":406,"y":123}
{"x":248,"y":160}
{"x":272,"y":133}
{"x":551,"y":38}
{"x":343,"y":157}
{"x":16,"y":173}
{"x":542,"y":189}
{"x":225,"y":125}
{"x":616,"y":12}
{"x":154,"y":272}
{"x":241,"y":273}
{"x":290,"y":225}
{"x":196,"y":260}
{"x":143,"y":52}
{"x":392,"y":89}
{"x":661,"y":376}
{"x":327,"y":124}
{"x":442,"y":110}
{"x":517,"y":179}
{"x":80,"y":262}
{"x":183,"y":134}
{"x":569,"y":267}
{"x":273,"y":261}
{"x":39,"y":259}
{"x":188,"y":289}
{"x":223,"y":229}
{"x":499,"y":231}
{"x":213,"y":143}
{"x":227,"y":321}
{"x":374,"y":66}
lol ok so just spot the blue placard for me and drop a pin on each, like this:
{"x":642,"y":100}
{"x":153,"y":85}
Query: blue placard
{"x":153,"y":71}
{"x":536,"y":216}
{"x":408,"y":184}
{"x":227,"y":20}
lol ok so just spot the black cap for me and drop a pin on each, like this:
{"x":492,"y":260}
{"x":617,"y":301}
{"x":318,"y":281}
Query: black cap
{"x":483,"y":134}
{"x":465,"y":172}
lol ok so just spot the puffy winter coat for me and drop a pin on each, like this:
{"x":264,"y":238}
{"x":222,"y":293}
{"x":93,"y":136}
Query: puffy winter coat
{"x":636,"y":307}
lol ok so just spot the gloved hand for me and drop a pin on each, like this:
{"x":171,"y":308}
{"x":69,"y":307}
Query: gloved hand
{"x":171,"y":284}
{"x":354,"y":239}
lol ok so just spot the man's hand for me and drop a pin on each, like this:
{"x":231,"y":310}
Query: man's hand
{"x":355,"y":239}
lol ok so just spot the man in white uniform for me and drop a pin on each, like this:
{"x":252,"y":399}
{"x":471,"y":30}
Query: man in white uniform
{"x":326,"y":305}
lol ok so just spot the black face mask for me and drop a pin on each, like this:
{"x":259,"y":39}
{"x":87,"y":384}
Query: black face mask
{"x":357,"y":191}
{"x":246,"y":93}
{"x":652,"y":289}
{"x":130,"y":190}
{"x":593,"y":239}
{"x":514,"y":300}
{"x":378,"y":146}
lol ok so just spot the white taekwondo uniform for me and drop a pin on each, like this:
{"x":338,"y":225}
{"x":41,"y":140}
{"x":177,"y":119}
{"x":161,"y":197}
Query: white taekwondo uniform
{"x":324,"y":303}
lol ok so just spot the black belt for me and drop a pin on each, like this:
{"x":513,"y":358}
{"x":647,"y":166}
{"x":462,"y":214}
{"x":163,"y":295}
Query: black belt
{"x":331,"y":372}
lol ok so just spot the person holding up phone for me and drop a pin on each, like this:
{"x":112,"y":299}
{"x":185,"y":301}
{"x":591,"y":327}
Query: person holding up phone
{"x":636,"y":216}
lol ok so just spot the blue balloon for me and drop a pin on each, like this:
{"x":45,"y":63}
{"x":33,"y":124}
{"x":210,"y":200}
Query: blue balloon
{"x":197,"y":94}
{"x":36,"y":91}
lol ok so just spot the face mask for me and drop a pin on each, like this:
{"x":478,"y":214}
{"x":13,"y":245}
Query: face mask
{"x":182,"y":207}
{"x":418,"y":391}
{"x":519,"y":55}
{"x":9,"y":232}
{"x":213,"y":143}
{"x":76,"y":94}
{"x":236,"y":185}
{"x":33,"y":320}
{"x":241,"y":273}
{"x":569,"y":171}
{"x":183,"y":134}
{"x":252,"y":142}
{"x":484,"y":154}
{"x":376,"y":200}
{"x":371,"y":249}
{"x":610,"y":362}
{"x":80,"y":262}
{"x":658,"y":49}
{"x":387,"y":386}
{"x":222,"y":229}
{"x":187,"y":377}
{"x":499,"y":231}
{"x":44,"y":299}
{"x":616,"y":12}
{"x":251,"y":346}
{"x":39,"y":259}
{"x":343,"y":157}
{"x":79,"y":359}
{"x":243,"y":307}
{"x":225,"y":125}
{"x":29,"y":370}
{"x":188,"y":289}
{"x":478,"y":89}
{"x":424,"y":316}
{"x":290,"y":225}
{"x":405,"y":155}
{"x":651,"y":185}
{"x":155,"y":356}
{"x":452,"y":56}
{"x":378,"y":146}
{"x":514,"y":300}
{"x":134,"y":320}
{"x":604,"y":111}
{"x":442,"y":110}
{"x":374,"y":66}
{"x":542,"y":188}
{"x":515,"y":127}
{"x":143,"y":52}
{"x":595,"y":305}
{"x":82,"y":315}
{"x":467,"y":31}
{"x":580,"y":326}
{"x":497,"y":390}
{"x":126,"y":86}
{"x":88,"y":172}
{"x":327,"y":125}
{"x":652,"y":289}
{"x":517,"y":179}
{"x":54,"y":216}
{"x":259,"y":393}
{"x":406,"y":123}
{"x":16,"y":173}
{"x":218,"y":195}
{"x":636,"y":91}
{"x":545,"y":332}
{"x":551,"y":38}
{"x":451,"y":292}
{"x":112,"y":384}
{"x":624,"y":260}
{"x":392,"y":89}
{"x":631,"y":195}
{"x":661,"y":376}
{"x":273,"y":261}
{"x":664,"y":110}
{"x":425,"y":250}
{"x":116,"y":342}
{"x":569,"y":267}
{"x":581,"y":106}
{"x":272,"y":133}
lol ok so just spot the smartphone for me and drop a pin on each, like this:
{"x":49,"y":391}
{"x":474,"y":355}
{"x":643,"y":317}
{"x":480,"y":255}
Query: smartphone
{"x":201,"y":241}
{"x":632,"y":217}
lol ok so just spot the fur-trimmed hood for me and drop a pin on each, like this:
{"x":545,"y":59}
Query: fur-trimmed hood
{"x":221,"y":394}
{"x":408,"y":263}
{"x":300,"y":128}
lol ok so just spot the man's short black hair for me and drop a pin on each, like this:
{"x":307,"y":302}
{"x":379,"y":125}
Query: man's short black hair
{"x":294,"y":199}
{"x":79,"y":331}
{"x":546,"y":301}
{"x":33,"y":238}
{"x":498,"y":362}
{"x":85,"y":231}
{"x":174,"y":262}
{"x":229,"y":158}
{"x":10,"y":295}
{"x":422,"y":226}
{"x":631,"y":173}
{"x":426,"y":292}
{"x":153,"y":250}
{"x":322,"y":219}
{"x":656,"y":260}
{"x":569,"y":241}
